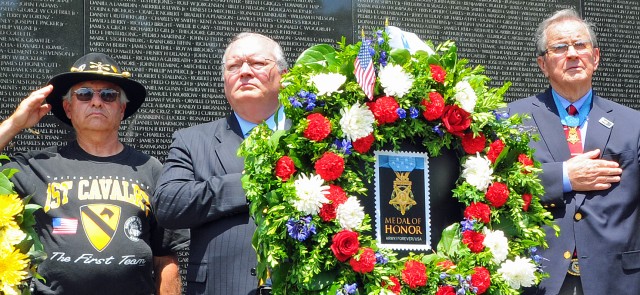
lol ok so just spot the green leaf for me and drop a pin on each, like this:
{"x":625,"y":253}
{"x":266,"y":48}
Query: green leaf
{"x":449,"y":242}
{"x":400,"y":56}
{"x":6,"y":187}
{"x":321,"y":54}
{"x":322,"y":280}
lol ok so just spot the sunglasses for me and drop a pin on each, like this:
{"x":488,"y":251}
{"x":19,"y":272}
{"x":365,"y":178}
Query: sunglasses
{"x":106,"y":94}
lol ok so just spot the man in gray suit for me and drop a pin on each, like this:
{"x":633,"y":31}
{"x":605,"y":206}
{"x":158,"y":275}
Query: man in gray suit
{"x":589,"y":150}
{"x":200,"y":184}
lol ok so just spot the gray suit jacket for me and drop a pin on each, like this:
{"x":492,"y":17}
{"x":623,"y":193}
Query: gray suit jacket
{"x":200,"y":189}
{"x":607,"y":232}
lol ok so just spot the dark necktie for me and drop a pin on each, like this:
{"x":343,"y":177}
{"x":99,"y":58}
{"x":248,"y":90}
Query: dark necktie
{"x":574,"y":139}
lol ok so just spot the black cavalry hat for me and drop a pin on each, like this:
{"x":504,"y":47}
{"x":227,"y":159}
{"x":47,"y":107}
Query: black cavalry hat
{"x":95,"y":66}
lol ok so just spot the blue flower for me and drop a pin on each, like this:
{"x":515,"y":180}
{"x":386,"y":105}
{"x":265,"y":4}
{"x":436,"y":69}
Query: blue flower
{"x":312,"y":97}
{"x":347,"y":289}
{"x":294,"y":102}
{"x":310,"y":101}
{"x":310,"y":106}
{"x":437,"y":130}
{"x":500,"y":115}
{"x":383,"y":58}
{"x":303,"y":93}
{"x":467,"y":224}
{"x":343,"y":146}
{"x":372,"y":51}
{"x":413,"y":112}
{"x":380,"y":39}
{"x":301,"y":229}
{"x":380,"y":259}
{"x":401,"y":113}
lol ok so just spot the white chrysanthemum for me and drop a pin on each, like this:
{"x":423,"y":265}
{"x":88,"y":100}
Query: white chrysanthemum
{"x":357,"y":121}
{"x":395,"y":81}
{"x":350,"y":214}
{"x":327,"y":83}
{"x":519,"y":272}
{"x":478,"y":172}
{"x":466,"y":96}
{"x":311,"y":193}
{"x":497,"y":244}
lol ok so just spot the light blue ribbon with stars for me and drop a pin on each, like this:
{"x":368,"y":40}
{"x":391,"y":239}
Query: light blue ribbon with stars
{"x":583,"y":112}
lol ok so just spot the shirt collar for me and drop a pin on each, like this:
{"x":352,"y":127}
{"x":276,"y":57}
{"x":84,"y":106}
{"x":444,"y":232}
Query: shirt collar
{"x":246,"y":126}
{"x":565,"y":103}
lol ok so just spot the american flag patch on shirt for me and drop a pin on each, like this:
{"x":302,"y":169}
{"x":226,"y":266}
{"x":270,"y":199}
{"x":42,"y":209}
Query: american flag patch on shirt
{"x":65,"y":226}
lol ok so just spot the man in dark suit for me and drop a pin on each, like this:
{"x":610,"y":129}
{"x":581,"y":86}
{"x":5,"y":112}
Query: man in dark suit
{"x":590,"y":163}
{"x":200,"y":184}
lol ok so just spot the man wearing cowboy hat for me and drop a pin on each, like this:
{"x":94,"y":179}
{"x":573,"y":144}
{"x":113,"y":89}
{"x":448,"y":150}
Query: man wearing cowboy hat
{"x":96,"y":222}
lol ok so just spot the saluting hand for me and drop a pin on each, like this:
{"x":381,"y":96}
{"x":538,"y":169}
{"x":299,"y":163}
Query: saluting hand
{"x":28,"y":114}
{"x":31,"y":109}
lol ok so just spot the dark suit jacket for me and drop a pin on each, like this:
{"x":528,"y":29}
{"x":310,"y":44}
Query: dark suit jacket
{"x":200,"y":189}
{"x":607,"y":235}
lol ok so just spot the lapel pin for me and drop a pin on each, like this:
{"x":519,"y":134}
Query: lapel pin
{"x":605,"y":122}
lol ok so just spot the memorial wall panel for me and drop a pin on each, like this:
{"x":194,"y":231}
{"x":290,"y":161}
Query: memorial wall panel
{"x":37,"y":40}
{"x":618,"y":76}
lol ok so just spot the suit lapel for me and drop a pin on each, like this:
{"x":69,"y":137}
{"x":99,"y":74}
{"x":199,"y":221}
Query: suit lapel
{"x":229,"y":138}
{"x":598,"y":134}
{"x":545,"y":114}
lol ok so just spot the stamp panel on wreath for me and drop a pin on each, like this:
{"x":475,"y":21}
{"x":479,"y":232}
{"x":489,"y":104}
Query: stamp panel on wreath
{"x":402,"y":212}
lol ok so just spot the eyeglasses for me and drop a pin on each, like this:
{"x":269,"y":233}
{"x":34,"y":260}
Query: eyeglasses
{"x":106,"y":94}
{"x":255,"y":63}
{"x":581,"y":47}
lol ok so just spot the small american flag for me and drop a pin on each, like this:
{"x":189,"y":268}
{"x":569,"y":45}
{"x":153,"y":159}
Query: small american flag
{"x":64,"y":226}
{"x":365,"y":74}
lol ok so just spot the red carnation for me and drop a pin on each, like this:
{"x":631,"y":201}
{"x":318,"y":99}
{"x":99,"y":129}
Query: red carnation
{"x":345,"y":244}
{"x":366,"y":262}
{"x":481,"y":279}
{"x":336,"y":197}
{"x":363,"y":144}
{"x":527,"y":201}
{"x":473,"y":144}
{"x":330,"y":166}
{"x":285,"y":168}
{"x":445,"y":264}
{"x":455,"y":119}
{"x":434,"y":107}
{"x":526,"y":162}
{"x":384,"y":109}
{"x":319,"y":127}
{"x":446,"y":290}
{"x":396,"y":288}
{"x":497,"y":194}
{"x":473,"y":240}
{"x":437,"y":73}
{"x":479,"y":211}
{"x":414,"y":274}
{"x":495,"y":149}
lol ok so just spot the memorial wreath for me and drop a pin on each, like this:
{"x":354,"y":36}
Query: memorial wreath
{"x":20,"y":247}
{"x":305,"y":184}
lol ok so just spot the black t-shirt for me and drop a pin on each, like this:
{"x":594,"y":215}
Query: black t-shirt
{"x":96,"y":222}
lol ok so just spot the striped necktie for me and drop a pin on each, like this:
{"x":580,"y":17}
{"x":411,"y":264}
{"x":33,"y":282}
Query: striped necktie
{"x":574,"y":138}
